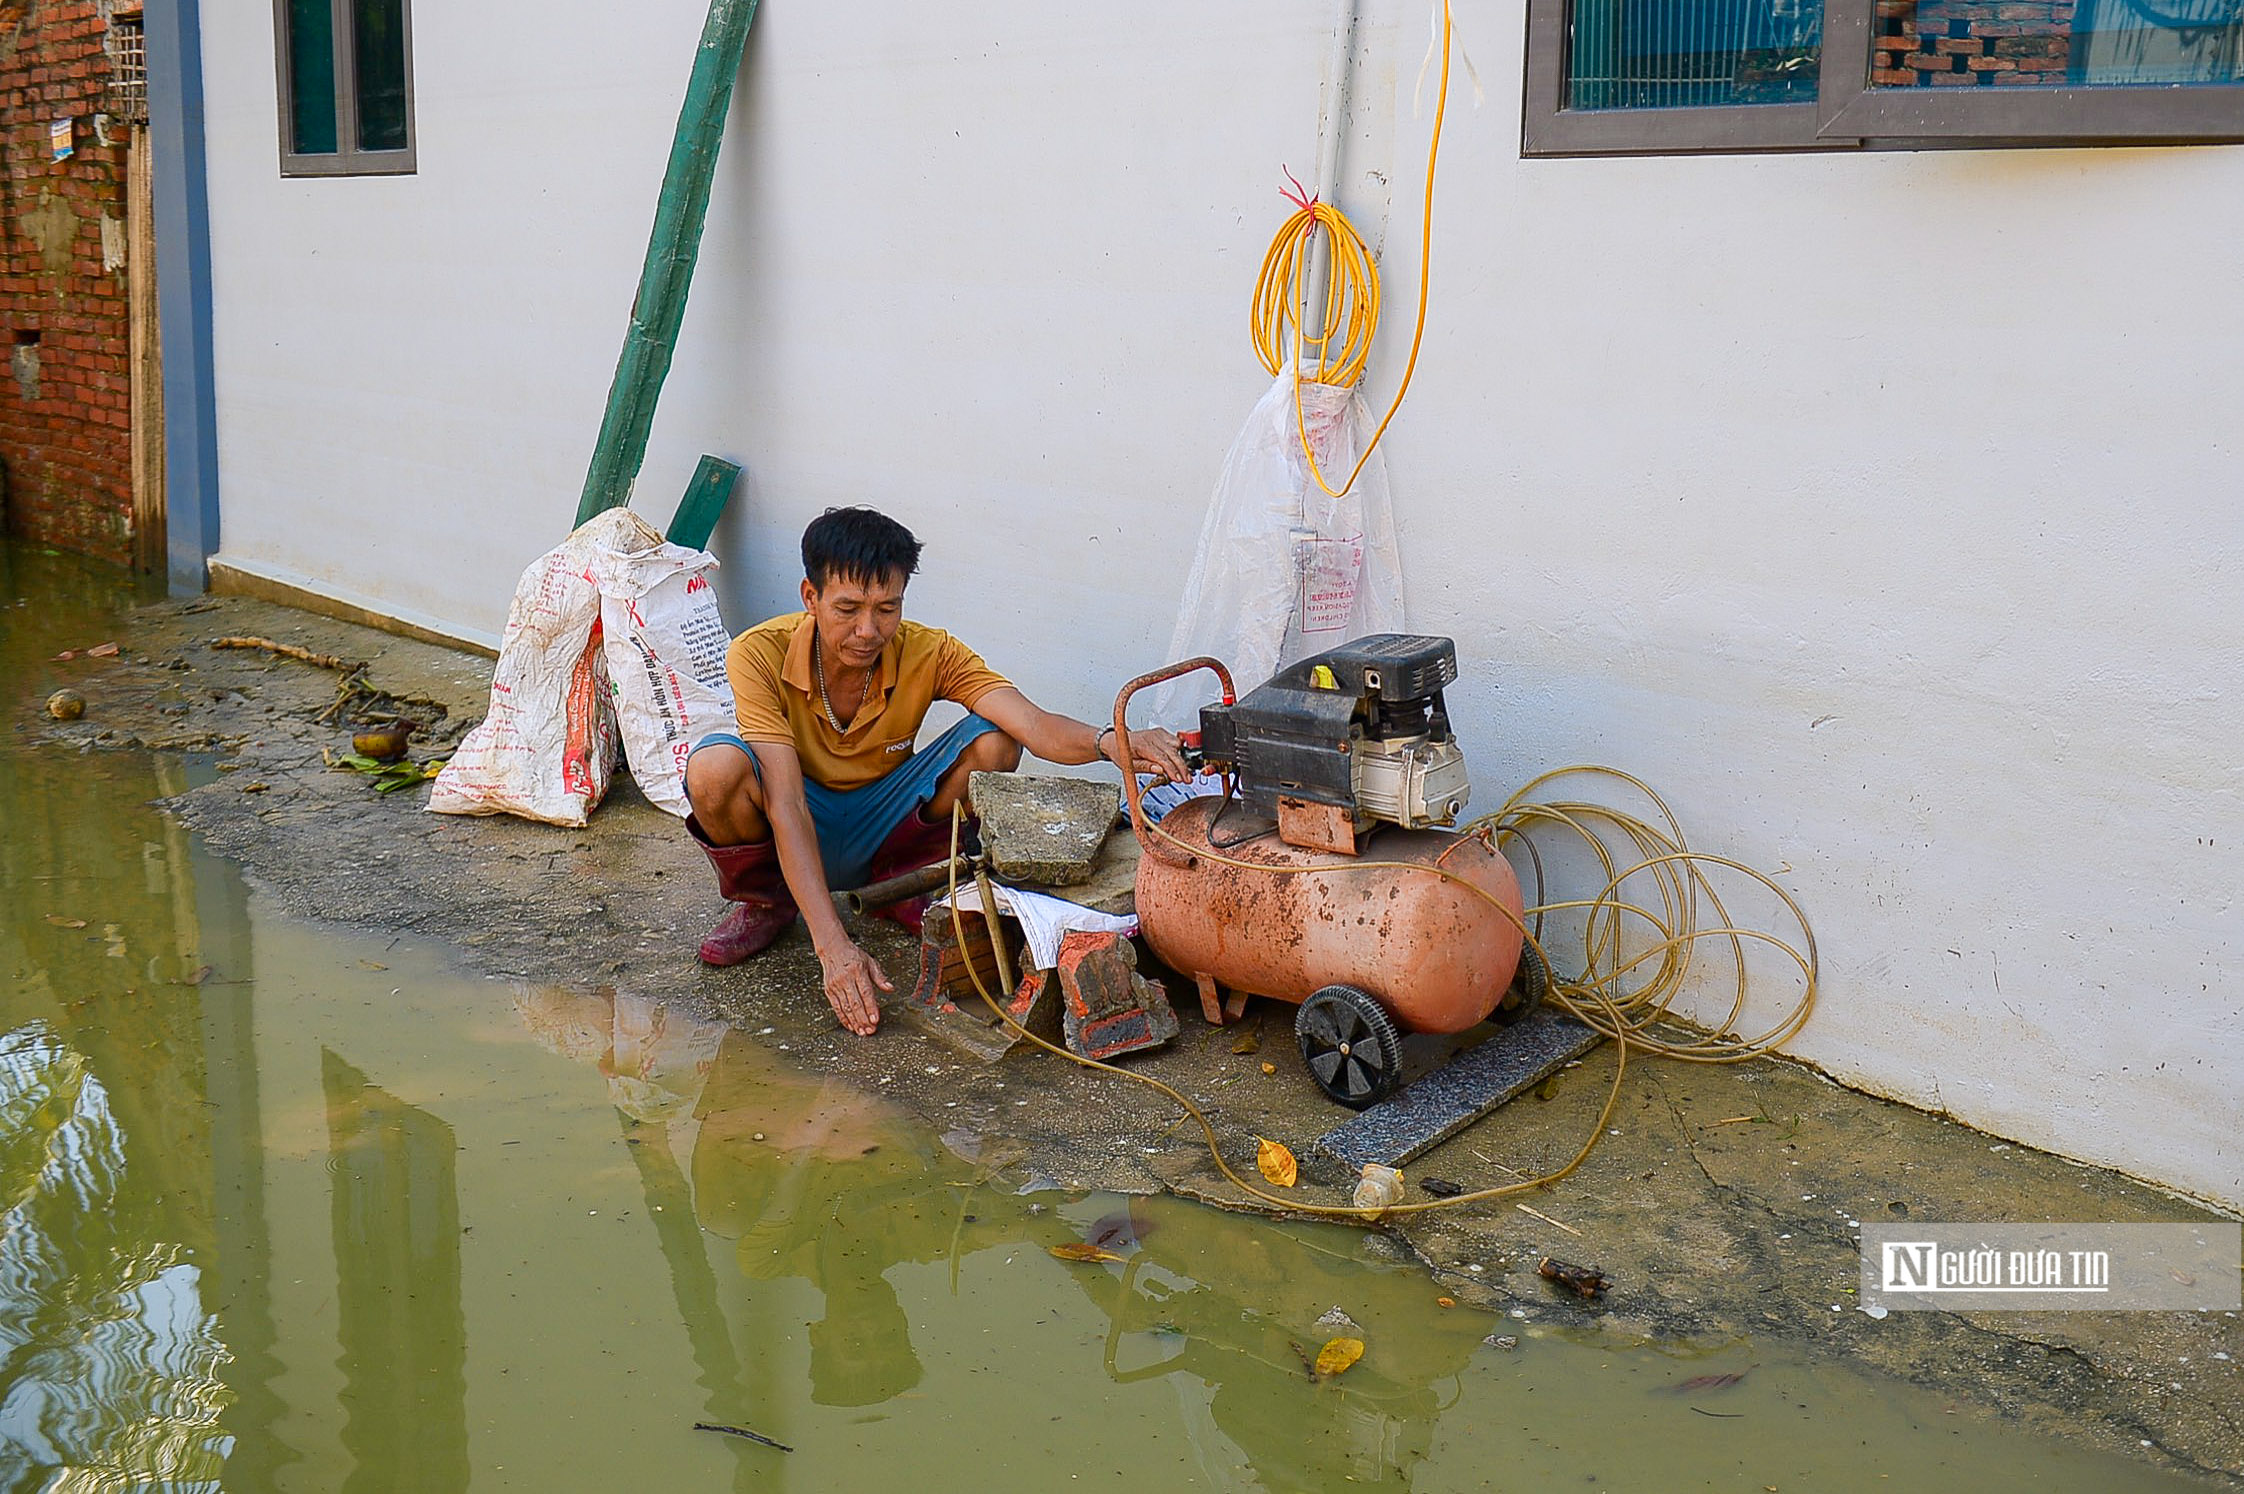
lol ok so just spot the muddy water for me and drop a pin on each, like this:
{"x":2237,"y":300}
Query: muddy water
{"x":290,"y":1208}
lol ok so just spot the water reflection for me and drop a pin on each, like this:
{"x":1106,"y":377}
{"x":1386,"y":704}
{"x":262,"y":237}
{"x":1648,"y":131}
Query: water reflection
{"x":817,"y":1181}
{"x":397,"y":1256}
{"x":1230,"y":1317}
{"x":108,"y":1359}
{"x":811,"y":1179}
{"x":814,"y":1181}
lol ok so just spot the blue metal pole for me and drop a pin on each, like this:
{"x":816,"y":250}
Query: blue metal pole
{"x":173,"y":30}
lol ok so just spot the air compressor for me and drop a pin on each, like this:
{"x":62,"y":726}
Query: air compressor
{"x":1328,"y":873}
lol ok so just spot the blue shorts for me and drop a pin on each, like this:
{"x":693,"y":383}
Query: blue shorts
{"x":853,"y":823}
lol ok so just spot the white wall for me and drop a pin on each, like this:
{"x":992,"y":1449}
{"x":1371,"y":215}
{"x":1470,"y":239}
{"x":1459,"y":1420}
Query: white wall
{"x":1931,"y":449}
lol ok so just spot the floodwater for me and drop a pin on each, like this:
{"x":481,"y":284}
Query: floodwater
{"x":283,"y":1207}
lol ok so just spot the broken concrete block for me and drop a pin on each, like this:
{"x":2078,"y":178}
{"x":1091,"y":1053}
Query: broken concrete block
{"x":1043,"y":831}
{"x":1106,"y":1007}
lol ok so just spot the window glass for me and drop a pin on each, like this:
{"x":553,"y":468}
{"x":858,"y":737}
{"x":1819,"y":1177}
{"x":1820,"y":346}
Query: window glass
{"x":378,"y":51}
{"x":2040,"y":44}
{"x":1667,"y":54}
{"x":311,"y":77}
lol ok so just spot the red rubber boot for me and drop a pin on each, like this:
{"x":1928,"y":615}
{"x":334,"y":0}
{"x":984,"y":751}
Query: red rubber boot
{"x":911,"y":845}
{"x":762,"y":907}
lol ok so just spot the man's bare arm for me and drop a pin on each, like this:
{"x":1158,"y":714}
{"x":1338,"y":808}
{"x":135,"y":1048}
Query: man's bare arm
{"x":1063,"y":739}
{"x":854,"y":979}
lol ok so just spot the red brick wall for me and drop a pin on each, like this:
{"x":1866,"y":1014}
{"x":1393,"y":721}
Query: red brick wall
{"x":1971,"y":43}
{"x":65,"y":424}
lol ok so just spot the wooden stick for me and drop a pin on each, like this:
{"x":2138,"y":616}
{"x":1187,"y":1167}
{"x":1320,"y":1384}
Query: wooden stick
{"x":1547,"y":1219}
{"x":290,"y":651}
{"x":711,"y":1426}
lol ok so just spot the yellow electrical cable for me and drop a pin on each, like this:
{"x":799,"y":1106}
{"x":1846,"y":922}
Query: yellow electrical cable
{"x":1628,"y":1021}
{"x":1352,"y":296}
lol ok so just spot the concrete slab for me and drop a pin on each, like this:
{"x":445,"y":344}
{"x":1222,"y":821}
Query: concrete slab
{"x":1444,"y":1102}
{"x":1040,"y":830}
{"x":1113,"y":884}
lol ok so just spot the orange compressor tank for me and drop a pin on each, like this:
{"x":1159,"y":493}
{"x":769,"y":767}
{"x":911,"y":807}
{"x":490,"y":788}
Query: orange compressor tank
{"x":1437,"y":956}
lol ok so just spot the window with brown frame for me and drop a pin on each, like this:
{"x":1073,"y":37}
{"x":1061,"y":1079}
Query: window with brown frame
{"x":346,"y":87}
{"x":1615,"y":77}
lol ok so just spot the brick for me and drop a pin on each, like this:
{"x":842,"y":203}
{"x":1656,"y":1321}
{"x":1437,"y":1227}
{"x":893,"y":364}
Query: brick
{"x":68,"y":450}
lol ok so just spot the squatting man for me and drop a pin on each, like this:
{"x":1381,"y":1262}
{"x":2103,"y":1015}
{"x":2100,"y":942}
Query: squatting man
{"x":822,"y":787}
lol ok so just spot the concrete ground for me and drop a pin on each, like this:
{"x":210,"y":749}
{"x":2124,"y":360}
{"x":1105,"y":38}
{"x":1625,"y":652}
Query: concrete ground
{"x":1711,"y":1225}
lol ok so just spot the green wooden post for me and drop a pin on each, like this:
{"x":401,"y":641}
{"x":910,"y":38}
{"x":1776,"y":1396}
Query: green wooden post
{"x":704,"y":503}
{"x":671,"y":252}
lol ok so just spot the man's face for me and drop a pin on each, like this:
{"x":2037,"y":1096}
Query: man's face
{"x":855,"y":618}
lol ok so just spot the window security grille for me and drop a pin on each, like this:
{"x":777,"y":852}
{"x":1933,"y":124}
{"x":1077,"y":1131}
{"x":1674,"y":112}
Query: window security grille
{"x":128,"y":76}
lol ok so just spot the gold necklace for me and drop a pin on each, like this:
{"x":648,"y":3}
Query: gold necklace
{"x":818,"y":672}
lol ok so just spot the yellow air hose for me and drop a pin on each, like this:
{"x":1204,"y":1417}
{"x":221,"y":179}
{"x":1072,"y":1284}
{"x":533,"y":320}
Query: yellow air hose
{"x":1277,"y":313}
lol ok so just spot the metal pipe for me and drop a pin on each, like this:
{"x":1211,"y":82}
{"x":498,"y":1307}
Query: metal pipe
{"x":1332,"y":126}
{"x":896,"y":889}
{"x":1154,"y":844}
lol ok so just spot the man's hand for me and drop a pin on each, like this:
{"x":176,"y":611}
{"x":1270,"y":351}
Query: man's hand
{"x":854,"y":981}
{"x":1155,"y":750}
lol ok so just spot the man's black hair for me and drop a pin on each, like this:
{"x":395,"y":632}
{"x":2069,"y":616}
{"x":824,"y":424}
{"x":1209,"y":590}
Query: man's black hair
{"x":857,"y":544}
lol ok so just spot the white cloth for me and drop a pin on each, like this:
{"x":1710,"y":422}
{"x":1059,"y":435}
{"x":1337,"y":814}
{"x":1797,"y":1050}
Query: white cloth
{"x":1043,"y":918}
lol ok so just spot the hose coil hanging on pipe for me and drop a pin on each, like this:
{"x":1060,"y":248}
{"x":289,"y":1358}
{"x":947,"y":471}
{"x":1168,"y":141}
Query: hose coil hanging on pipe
{"x":1352,"y":295}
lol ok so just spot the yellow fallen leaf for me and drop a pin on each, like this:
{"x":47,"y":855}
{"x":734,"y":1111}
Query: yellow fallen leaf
{"x":1277,"y":1163}
{"x":371,"y":965}
{"x":1338,"y":1354}
{"x":1445,"y":1302}
{"x":1270,"y":1068}
{"x":1083,"y":1252}
{"x":61,"y":922}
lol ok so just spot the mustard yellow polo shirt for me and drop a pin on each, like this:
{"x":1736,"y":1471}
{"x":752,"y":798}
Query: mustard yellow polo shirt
{"x":776,"y":698}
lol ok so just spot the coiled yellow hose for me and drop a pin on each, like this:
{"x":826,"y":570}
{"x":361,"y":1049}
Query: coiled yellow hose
{"x":1276,"y":314}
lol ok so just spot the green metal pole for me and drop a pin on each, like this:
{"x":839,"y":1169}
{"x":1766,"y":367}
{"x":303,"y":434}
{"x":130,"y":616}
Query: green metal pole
{"x":671,"y":252}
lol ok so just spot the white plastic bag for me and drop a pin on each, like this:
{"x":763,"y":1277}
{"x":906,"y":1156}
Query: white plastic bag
{"x":547,"y":747}
{"x":665,"y":643}
{"x":1285,"y":569}
{"x":1378,"y":1187}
